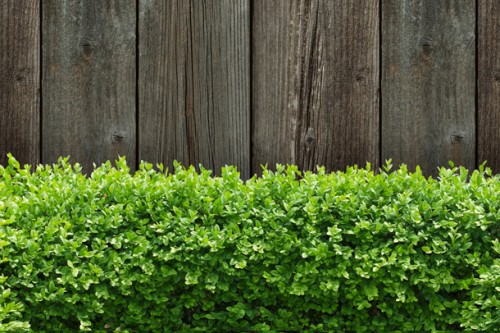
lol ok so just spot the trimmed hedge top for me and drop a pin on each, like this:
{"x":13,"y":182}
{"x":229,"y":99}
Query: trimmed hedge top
{"x":184,"y":251}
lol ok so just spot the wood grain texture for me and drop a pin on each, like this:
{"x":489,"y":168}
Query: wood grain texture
{"x":20,"y":80}
{"x":194,"y":83}
{"x":428,"y":83}
{"x":315,"y":83}
{"x":89,"y":81}
{"x":489,"y":83}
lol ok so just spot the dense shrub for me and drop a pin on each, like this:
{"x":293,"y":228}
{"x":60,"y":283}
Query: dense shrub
{"x":184,"y":251}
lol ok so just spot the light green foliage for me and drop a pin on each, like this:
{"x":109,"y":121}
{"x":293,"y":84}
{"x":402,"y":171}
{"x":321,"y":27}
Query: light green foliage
{"x":184,"y":251}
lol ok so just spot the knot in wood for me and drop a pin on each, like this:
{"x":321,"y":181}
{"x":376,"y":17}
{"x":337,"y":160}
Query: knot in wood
{"x":426,"y":43}
{"x":117,"y":138}
{"x":497,"y":76}
{"x":457,"y":137}
{"x":309,"y":137}
{"x":361,"y":73}
{"x":87,"y":44}
{"x":20,"y":75}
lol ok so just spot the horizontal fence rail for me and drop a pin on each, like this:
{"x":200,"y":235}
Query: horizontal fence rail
{"x":251,"y":82}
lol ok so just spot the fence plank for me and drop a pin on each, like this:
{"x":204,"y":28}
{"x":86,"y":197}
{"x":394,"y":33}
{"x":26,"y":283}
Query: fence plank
{"x":194,"y":83}
{"x":315,"y":83}
{"x":489,"y":83}
{"x":89,"y":81}
{"x":20,"y":80}
{"x":428,"y":83}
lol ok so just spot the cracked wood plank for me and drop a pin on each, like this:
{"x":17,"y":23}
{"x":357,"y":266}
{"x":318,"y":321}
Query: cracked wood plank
{"x":315,"y":83}
{"x":489,"y":83}
{"x":194,"y":100}
{"x":20,"y":80}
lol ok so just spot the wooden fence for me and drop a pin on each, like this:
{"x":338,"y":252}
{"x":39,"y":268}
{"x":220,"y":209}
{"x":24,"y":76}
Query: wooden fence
{"x":251,"y":82}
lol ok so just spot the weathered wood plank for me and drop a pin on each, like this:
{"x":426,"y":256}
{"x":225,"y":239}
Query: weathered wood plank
{"x":20,"y":80}
{"x":315,"y":80}
{"x":89,"y":81}
{"x":428,"y":83}
{"x":194,"y":104}
{"x":489,"y":83}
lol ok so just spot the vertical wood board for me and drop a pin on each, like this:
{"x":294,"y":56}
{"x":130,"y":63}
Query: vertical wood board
{"x":89,"y":81}
{"x":428,"y":83}
{"x":315,"y":83}
{"x":20,"y":80}
{"x":489,"y":83}
{"x":194,"y":99}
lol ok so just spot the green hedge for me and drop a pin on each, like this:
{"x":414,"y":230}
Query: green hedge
{"x":183,"y":251}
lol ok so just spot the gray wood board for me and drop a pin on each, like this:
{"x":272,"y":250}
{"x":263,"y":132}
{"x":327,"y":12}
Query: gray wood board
{"x":428,"y":83}
{"x":20,"y":80}
{"x":315,"y":80}
{"x":89,"y":81}
{"x":489,"y":83}
{"x":194,"y":83}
